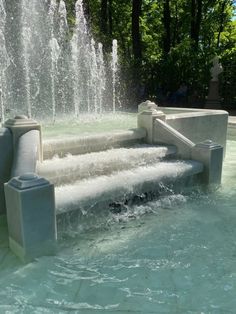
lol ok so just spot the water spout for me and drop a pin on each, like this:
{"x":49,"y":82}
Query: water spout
{"x":114,"y":68}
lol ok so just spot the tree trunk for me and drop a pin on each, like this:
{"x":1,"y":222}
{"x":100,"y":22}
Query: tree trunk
{"x":110,"y":24}
{"x":104,"y":16}
{"x":196,"y":18}
{"x":166,"y":23}
{"x":222,"y":19}
{"x":136,"y":37}
{"x":175,"y":38}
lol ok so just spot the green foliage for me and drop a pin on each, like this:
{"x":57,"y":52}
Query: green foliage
{"x":184,"y":62}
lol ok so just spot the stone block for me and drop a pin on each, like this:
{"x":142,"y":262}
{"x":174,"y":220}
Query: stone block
{"x":211,"y":155}
{"x":31,"y":217}
{"x":21,"y":125}
{"x":146,"y":120}
{"x":6,"y":149}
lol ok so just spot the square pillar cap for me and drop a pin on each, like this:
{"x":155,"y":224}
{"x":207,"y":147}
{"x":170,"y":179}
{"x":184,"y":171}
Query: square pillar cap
{"x":20,"y":121}
{"x":208,"y":144}
{"x":27,"y":181}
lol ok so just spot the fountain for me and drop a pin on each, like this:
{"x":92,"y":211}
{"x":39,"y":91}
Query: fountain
{"x":107,"y":170}
{"x":131,"y":236}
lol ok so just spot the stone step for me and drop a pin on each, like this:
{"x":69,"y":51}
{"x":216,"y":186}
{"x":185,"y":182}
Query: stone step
{"x":77,"y":167}
{"x":76,"y":145}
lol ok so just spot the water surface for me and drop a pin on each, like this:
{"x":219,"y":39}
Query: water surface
{"x":173,"y":255}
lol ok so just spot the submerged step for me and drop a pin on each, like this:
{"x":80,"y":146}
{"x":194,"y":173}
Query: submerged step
{"x":89,"y":192}
{"x":66,"y":170}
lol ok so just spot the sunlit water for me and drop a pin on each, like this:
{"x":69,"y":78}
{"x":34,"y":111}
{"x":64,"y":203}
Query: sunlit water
{"x":173,"y":255}
{"x":87,"y":124}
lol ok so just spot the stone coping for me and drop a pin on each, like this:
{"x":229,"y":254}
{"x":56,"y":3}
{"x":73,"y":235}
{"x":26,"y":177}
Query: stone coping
{"x":173,"y":112}
{"x":232,"y":122}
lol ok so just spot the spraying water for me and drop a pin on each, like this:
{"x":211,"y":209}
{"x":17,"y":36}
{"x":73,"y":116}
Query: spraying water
{"x":93,"y":77}
{"x":26,"y":45}
{"x":114,"y":67}
{"x":80,"y":59}
{"x":34,"y":57}
{"x":63,"y":60}
{"x":50,"y":73}
{"x":101,"y":77}
{"x":4,"y":59}
{"x":55,"y":52}
{"x":63,"y":25}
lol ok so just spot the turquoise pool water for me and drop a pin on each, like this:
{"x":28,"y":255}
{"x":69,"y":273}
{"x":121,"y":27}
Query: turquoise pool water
{"x":174,"y":255}
{"x":88,"y":124}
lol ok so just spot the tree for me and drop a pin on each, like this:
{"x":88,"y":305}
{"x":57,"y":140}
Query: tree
{"x":222,"y":18}
{"x":136,"y":36}
{"x":164,"y":42}
{"x":196,"y":17}
{"x":106,"y":17}
{"x":166,"y":24}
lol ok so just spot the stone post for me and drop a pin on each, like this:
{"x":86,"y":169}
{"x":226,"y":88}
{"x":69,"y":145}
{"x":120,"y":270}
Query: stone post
{"x":21,"y":125}
{"x":31,"y":216}
{"x":211,"y":155}
{"x":6,"y":159}
{"x":148,"y":112}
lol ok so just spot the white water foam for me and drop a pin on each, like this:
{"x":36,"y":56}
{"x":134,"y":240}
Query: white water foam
{"x":116,"y":186}
{"x":70,"y":168}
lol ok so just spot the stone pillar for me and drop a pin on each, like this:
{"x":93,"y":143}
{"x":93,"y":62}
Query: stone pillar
{"x":21,"y":125}
{"x":6,"y":159}
{"x":211,"y":155}
{"x":31,"y":217}
{"x":148,"y":112}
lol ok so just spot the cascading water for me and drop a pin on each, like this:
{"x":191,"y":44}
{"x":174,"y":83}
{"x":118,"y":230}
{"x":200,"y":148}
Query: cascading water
{"x":51,"y":74}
